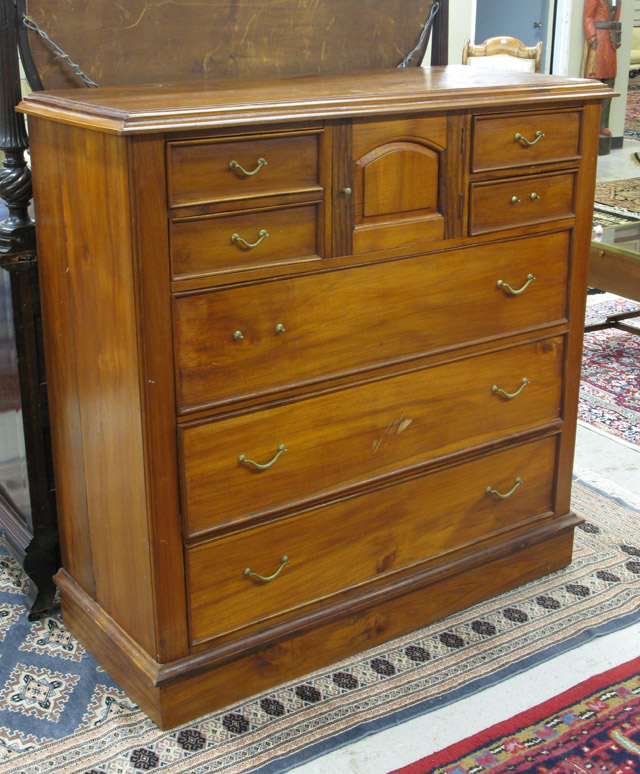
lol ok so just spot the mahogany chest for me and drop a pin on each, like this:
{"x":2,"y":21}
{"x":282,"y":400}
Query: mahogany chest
{"x":313,"y":347}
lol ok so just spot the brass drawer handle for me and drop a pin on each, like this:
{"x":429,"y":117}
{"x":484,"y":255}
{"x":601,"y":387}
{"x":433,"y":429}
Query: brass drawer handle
{"x":237,"y":335}
{"x":523,"y":140}
{"x":262,"y":234}
{"x":280,"y":328}
{"x":515,"y":200}
{"x":233,"y":164}
{"x":511,"y":395}
{"x":534,"y":196}
{"x":266,"y":578}
{"x":508,"y":289}
{"x":258,"y":466}
{"x":490,"y":490}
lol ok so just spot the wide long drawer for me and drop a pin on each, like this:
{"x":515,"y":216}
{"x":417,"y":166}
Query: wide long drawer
{"x":261,"y":338}
{"x":256,"y":463}
{"x":358,"y":540}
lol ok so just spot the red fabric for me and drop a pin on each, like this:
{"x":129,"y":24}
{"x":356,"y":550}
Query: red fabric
{"x":604,"y":57}
{"x":531,"y":717}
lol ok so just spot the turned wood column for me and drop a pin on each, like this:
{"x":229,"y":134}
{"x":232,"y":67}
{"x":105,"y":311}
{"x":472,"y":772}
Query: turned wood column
{"x":17,"y":233}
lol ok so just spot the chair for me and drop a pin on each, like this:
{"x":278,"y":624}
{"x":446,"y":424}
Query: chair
{"x":503,"y":54}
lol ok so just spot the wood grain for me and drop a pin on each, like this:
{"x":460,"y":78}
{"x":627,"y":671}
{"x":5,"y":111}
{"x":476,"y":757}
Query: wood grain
{"x":537,"y":199}
{"x":345,"y":439}
{"x":204,"y":245}
{"x":361,"y":539}
{"x":495,"y":145}
{"x":402,"y":309}
{"x":199,"y":106}
{"x":236,"y":38}
{"x":199,"y":171}
{"x":102,"y":380}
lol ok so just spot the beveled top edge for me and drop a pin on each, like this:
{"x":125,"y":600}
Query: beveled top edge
{"x":164,"y":107}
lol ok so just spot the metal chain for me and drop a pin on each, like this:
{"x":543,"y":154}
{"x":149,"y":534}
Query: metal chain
{"x":427,"y":26}
{"x":60,"y":54}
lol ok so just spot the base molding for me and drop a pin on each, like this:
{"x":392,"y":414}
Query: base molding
{"x":180,"y":691}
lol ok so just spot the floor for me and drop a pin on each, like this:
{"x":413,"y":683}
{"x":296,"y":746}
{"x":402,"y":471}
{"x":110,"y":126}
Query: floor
{"x":600,"y":460}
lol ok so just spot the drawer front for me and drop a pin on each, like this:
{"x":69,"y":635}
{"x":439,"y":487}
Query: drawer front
{"x":362,"y":539}
{"x":354,"y":435}
{"x":211,"y":171}
{"x":502,"y":142}
{"x":520,"y":202}
{"x":229,"y":344}
{"x":214,"y":244}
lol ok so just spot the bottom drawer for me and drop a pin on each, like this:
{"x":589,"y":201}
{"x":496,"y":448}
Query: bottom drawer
{"x":361,"y":539}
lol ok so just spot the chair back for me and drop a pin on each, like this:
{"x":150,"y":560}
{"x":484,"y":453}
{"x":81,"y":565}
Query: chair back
{"x":503,"y":53}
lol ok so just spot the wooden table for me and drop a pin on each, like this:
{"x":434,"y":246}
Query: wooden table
{"x":615,"y":267}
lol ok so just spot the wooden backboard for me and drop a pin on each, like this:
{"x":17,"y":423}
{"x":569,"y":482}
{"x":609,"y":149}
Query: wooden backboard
{"x":151,"y":41}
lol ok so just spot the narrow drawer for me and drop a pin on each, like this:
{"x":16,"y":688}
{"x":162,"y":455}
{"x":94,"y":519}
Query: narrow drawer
{"x":520,"y":202}
{"x":355,"y":435}
{"x":219,"y":243}
{"x":222,"y":170}
{"x":502,"y":142}
{"x":362,"y":539}
{"x":254,"y":340}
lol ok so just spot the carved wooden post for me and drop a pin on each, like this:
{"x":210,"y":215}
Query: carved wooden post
{"x":29,"y":524}
{"x":17,"y":232}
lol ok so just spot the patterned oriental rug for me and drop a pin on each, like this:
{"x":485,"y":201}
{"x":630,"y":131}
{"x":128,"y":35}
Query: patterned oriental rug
{"x":632,"y":112}
{"x":60,"y":712}
{"x":619,"y":196}
{"x":593,"y":727}
{"x":610,"y":379}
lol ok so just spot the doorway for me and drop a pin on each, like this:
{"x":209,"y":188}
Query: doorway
{"x":528,"y":20}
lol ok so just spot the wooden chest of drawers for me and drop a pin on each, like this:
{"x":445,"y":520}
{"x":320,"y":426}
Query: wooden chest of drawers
{"x":314,"y":355}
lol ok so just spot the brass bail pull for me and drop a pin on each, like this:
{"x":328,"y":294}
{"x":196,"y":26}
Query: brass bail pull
{"x":262,"y":234}
{"x":491,"y":490}
{"x":248,"y":573}
{"x":233,"y":164}
{"x":511,"y":395}
{"x":523,"y":140}
{"x":508,"y":289}
{"x":257,"y":465}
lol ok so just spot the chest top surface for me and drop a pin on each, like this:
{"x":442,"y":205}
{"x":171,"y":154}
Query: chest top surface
{"x":165,"y":107}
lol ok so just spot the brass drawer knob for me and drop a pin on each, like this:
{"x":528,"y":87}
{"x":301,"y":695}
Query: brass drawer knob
{"x":515,"y":200}
{"x":508,"y":289}
{"x":534,"y":196}
{"x":248,"y":573}
{"x":280,"y":328}
{"x":347,"y":191}
{"x":233,"y":164}
{"x":263,"y":466}
{"x":511,"y":395}
{"x":491,"y":490}
{"x":237,"y":335}
{"x":238,"y":240}
{"x":523,"y":140}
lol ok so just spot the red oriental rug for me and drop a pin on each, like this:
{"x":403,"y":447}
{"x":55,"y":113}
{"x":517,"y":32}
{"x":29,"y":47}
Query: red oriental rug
{"x":592,"y":727}
{"x":610,"y":381}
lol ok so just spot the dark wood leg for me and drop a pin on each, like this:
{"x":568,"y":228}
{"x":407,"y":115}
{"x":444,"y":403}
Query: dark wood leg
{"x":27,"y":509}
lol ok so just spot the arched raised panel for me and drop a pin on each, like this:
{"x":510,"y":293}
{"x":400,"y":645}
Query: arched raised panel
{"x":399,"y":177}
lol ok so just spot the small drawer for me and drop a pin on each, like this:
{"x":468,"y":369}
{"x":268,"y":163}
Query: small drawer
{"x":503,"y":142}
{"x":330,"y":549}
{"x":257,"y":339}
{"x":315,"y":447}
{"x":222,"y":170}
{"x":520,"y":202}
{"x":245,"y":240}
